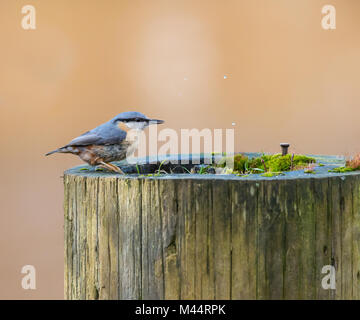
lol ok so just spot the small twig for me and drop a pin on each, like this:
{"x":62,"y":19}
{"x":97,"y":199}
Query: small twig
{"x":263,"y":162}
{"x":292,"y":162}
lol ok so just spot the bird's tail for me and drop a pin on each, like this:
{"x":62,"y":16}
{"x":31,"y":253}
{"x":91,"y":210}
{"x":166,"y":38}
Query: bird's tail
{"x":62,"y":150}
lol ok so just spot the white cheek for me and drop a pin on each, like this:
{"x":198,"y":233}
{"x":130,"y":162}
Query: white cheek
{"x":136,"y":125}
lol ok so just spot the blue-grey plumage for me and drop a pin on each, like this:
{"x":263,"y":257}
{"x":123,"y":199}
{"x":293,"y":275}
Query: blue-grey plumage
{"x":107,"y":142}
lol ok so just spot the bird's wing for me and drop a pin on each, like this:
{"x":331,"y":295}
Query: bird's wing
{"x":84,"y":140}
{"x":98,"y":138}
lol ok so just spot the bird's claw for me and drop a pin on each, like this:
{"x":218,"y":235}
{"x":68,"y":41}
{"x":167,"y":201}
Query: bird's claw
{"x":111,"y":167}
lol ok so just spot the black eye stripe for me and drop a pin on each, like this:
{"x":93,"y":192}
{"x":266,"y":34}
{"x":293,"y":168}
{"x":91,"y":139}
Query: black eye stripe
{"x":132,"y":120}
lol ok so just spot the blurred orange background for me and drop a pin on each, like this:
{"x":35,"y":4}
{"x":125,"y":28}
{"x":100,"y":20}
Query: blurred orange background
{"x":287,"y":79}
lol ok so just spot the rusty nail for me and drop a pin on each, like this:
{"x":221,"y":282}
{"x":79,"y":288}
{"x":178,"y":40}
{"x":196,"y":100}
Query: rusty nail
{"x":284,"y":148}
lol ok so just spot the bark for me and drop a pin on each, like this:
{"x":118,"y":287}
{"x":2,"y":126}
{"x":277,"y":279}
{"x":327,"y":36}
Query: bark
{"x":204,"y":238}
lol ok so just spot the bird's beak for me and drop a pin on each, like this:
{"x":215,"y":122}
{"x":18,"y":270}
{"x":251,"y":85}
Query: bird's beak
{"x":155,"y":121}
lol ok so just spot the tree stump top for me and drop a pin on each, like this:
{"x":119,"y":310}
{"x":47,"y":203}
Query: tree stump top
{"x":206,"y":236}
{"x":146,"y":168}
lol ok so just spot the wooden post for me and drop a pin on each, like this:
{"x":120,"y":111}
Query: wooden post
{"x":210,"y":237}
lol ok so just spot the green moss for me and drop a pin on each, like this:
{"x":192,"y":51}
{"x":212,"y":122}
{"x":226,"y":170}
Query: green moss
{"x":310,"y":171}
{"x":240,"y":162}
{"x":271,"y":174}
{"x":342,"y":169}
{"x":257,"y":165}
{"x":265,"y":163}
{"x":278,"y":162}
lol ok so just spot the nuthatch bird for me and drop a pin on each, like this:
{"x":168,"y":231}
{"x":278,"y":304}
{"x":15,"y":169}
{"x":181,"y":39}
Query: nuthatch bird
{"x":107,"y":142}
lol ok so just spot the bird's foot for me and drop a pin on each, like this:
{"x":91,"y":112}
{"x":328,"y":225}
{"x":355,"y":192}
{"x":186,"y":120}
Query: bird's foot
{"x":111,"y":167}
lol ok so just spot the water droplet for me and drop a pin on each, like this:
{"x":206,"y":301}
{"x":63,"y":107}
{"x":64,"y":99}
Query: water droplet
{"x":233,"y":124}
{"x":225,"y":77}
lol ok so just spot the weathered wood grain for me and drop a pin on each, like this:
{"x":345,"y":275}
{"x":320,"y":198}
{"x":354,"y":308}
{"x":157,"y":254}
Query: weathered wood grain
{"x":204,"y":238}
{"x":356,"y":239}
